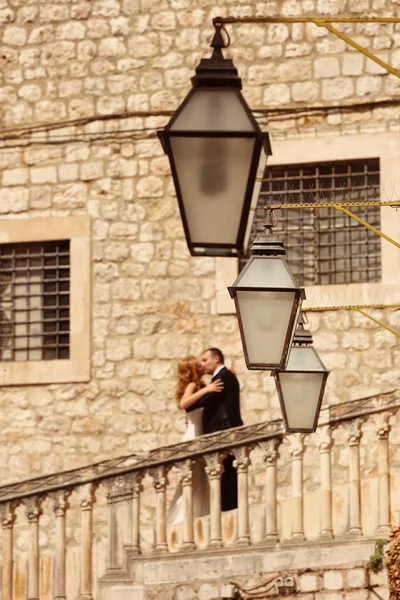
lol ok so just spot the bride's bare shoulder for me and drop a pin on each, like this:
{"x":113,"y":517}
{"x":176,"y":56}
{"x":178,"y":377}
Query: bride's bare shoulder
{"x":190,"y":388}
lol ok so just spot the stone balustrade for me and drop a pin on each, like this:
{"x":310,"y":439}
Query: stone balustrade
{"x":65,"y":534}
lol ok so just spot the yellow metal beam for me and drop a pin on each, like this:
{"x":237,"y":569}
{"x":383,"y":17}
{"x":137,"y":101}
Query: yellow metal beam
{"x":331,"y":205}
{"x":322,"y":22}
{"x":348,"y":307}
{"x":361,"y":311}
{"x":340,"y":206}
{"x":383,"y":235}
{"x":311,"y":19}
{"x":361,"y":49}
{"x":396,"y":333}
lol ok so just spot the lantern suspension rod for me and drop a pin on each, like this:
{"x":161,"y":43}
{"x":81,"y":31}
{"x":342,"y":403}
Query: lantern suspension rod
{"x":323,"y":22}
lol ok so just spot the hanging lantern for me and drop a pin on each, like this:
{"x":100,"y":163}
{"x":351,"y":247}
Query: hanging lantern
{"x":215,"y":148}
{"x":301,"y":385}
{"x":267,"y":301}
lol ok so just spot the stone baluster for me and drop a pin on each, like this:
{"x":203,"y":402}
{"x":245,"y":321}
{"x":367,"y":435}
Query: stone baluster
{"x":33,"y":512}
{"x":187,"y":491}
{"x":383,"y":428}
{"x":325,"y":444}
{"x":160,"y":485}
{"x":86,"y":494}
{"x":354,"y":437}
{"x":296,"y":450}
{"x":242,"y":465}
{"x":214,"y":470}
{"x":271,"y":523}
{"x":137,"y":488}
{"x":7,"y":522}
{"x":60,"y":506}
{"x":119,"y":489}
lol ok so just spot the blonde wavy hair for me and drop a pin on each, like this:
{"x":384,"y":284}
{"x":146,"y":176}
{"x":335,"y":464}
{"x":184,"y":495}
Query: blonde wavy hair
{"x":188,"y":372}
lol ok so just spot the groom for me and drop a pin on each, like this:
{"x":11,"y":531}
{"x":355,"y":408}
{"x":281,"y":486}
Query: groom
{"x":222,"y":411}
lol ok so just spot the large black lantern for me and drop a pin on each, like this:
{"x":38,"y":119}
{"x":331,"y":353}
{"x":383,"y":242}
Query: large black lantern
{"x":268,"y":302}
{"x":215,"y":148}
{"x":301,"y":385}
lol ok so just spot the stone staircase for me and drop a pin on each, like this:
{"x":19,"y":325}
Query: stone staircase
{"x":310,"y":509}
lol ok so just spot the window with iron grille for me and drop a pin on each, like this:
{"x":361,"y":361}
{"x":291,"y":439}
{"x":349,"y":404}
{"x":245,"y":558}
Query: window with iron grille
{"x":35,"y":301}
{"x":323,"y":245}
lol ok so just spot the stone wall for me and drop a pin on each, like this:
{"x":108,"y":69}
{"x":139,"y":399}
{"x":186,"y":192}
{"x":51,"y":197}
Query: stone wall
{"x":153,"y":304}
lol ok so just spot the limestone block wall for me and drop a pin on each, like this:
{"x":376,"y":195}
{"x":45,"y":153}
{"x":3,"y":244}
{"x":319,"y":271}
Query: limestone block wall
{"x":94,"y":64}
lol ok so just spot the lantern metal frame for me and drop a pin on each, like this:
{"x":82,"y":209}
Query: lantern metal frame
{"x":269,"y":247}
{"x":302,"y":338}
{"x":217,"y":74}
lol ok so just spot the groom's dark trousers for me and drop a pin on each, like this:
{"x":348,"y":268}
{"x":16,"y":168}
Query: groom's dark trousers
{"x":222,"y":411}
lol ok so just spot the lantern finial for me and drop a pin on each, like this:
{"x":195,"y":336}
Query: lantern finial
{"x":302,"y":336}
{"x":265,"y":243}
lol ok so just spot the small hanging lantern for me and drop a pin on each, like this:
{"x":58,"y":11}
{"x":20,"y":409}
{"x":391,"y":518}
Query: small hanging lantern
{"x":267,"y":301}
{"x":301,"y":385}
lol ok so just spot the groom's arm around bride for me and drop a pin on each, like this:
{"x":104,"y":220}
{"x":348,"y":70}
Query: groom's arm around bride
{"x":222,"y":411}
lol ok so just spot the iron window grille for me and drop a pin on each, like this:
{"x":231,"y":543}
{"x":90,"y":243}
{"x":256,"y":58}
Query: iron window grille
{"x":35,"y":301}
{"x":323,"y":245}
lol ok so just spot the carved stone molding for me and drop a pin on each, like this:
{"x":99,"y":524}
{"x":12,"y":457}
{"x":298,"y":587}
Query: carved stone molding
{"x":7,"y":515}
{"x":186,"y":471}
{"x":324,"y":439}
{"x":33,"y":508}
{"x":242,"y":459}
{"x":59,"y":500}
{"x":296,"y":446}
{"x":214,"y":468}
{"x":270,"y":450}
{"x":160,"y":479}
{"x":86,"y":496}
{"x":354,"y":432}
{"x":382,"y":425}
{"x":119,"y":488}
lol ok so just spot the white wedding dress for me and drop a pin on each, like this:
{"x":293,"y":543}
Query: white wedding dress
{"x":200,"y":486}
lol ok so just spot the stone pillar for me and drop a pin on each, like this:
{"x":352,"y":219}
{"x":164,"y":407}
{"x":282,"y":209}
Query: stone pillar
{"x":296,"y":450}
{"x":160,"y":485}
{"x":187,"y":491}
{"x":119,"y":489}
{"x":354,"y":479}
{"x":86,"y":493}
{"x":242,"y":465}
{"x":271,"y":523}
{"x":33,"y":512}
{"x":325,"y":444}
{"x":60,"y":506}
{"x":383,"y":428}
{"x":7,"y":517}
{"x":214,"y":470}
{"x":137,"y":488}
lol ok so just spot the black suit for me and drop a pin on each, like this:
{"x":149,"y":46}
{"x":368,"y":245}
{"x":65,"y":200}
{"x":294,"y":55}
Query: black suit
{"x":222,"y":411}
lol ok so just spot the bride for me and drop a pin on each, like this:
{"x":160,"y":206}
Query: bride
{"x":190,"y":389}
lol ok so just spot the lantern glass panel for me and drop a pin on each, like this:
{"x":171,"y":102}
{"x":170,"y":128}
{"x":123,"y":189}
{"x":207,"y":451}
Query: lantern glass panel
{"x":213,"y":176}
{"x":304,"y":358}
{"x":301,"y":393}
{"x":213,"y":110}
{"x":266,"y":272}
{"x":254,"y":199}
{"x":265,"y":318}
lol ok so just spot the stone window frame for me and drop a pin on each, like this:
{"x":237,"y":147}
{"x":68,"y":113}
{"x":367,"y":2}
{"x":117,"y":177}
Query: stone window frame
{"x":77,"y":229}
{"x":333,"y":147}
